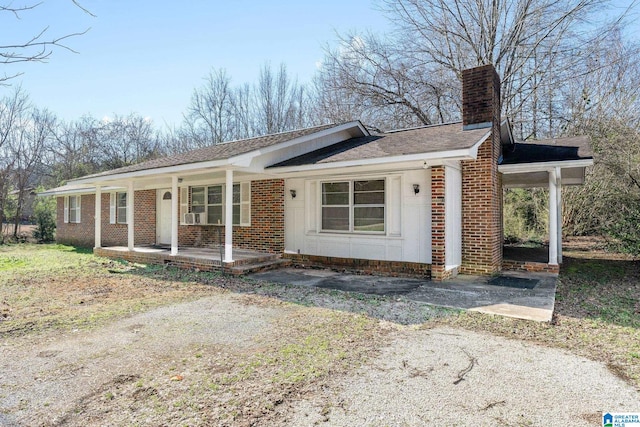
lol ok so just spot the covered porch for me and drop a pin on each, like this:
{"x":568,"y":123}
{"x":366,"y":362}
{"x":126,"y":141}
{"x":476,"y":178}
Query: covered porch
{"x":550,"y":164}
{"x":201,"y":258}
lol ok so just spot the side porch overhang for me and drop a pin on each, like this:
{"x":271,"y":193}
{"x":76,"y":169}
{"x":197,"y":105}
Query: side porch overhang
{"x":549,"y":164}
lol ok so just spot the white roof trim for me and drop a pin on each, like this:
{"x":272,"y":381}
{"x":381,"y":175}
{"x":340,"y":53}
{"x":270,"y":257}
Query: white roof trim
{"x":62,"y":191}
{"x":241,"y":160}
{"x":463,"y":154}
{"x":544,"y":166}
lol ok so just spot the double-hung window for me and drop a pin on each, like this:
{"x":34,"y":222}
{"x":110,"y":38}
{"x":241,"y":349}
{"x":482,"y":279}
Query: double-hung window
{"x":354,"y":206}
{"x":209,"y":202}
{"x":118,"y":208}
{"x":121,"y":208}
{"x":72,"y":209}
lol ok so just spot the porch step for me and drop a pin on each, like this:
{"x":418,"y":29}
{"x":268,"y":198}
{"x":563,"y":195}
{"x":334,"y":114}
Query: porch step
{"x":254,"y":267}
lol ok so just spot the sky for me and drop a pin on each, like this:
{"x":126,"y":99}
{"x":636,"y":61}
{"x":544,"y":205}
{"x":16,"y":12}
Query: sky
{"x":147,"y":56}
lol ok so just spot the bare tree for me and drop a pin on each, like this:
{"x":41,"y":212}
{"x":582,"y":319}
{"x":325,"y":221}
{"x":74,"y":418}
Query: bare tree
{"x":37,"y":48}
{"x":279,"y":101}
{"x":369,"y":79}
{"x":12,"y":111}
{"x":209,"y":116}
{"x":534,"y":44}
{"x":28,"y":145}
{"x":219,"y":112}
{"x":125,"y":140}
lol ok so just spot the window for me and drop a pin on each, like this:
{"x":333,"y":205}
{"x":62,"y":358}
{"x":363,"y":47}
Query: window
{"x":72,"y":209}
{"x":214,"y":205}
{"x":209,"y":201}
{"x":121,"y":208}
{"x":118,"y":208}
{"x":354,"y":206}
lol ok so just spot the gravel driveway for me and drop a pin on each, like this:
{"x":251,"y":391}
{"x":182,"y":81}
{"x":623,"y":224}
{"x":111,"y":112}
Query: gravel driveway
{"x":440,"y":376}
{"x":453,"y":377}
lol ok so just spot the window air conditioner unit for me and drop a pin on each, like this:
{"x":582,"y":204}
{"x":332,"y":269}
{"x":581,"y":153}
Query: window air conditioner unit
{"x":198,"y":218}
{"x":189,"y":218}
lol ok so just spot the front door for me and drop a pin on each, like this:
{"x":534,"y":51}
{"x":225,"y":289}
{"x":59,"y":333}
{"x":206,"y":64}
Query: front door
{"x":163,"y":234}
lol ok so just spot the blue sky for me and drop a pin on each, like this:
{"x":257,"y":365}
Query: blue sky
{"x":147,"y":56}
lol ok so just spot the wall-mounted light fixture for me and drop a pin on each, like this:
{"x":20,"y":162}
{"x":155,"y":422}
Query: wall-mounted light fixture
{"x":416,"y":188}
{"x":293,"y":193}
{"x":179,"y":180}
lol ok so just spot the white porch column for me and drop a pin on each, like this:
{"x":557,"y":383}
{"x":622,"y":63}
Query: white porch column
{"x":553,"y":218}
{"x":130,"y":225}
{"x":559,"y":196}
{"x":98,"y":218}
{"x":174,"y":215}
{"x":228,"y":215}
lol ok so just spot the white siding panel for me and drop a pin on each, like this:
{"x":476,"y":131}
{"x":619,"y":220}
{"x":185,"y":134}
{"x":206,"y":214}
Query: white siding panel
{"x":368,"y":250}
{"x":408,"y":222}
{"x":453,"y":221}
{"x":394,"y":203}
{"x":312,"y":206}
{"x":330,"y":246}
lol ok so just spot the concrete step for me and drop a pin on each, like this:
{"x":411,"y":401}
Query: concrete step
{"x":254,"y":267}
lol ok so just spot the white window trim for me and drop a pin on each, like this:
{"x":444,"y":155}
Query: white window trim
{"x":244,"y":205}
{"x":352,"y":206}
{"x":68,"y":209}
{"x":113,"y":208}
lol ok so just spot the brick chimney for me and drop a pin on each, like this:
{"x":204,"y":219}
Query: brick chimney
{"x":482,"y":233}
{"x":480,"y":97}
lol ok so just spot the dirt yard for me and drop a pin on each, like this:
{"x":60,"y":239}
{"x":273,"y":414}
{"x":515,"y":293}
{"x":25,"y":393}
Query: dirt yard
{"x":86,"y":341}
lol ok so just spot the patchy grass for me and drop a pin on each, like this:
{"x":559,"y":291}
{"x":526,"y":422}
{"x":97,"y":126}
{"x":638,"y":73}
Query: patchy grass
{"x":48,"y":288}
{"x":52,"y":288}
{"x":597,"y":312}
{"x":57,"y":287}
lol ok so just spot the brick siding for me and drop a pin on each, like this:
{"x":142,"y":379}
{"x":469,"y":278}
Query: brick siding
{"x":362,"y":266}
{"x":78,"y":234}
{"x":266,"y":233}
{"x":438,"y":219}
{"x":530,"y":266}
{"x":482,"y":232}
{"x":83,"y":234}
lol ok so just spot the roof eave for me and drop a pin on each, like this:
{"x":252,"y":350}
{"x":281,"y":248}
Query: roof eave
{"x":75,"y":191}
{"x":544,"y":166}
{"x":429,"y":158}
{"x":241,"y":160}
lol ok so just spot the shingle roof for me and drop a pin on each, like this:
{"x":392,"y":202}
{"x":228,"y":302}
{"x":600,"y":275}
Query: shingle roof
{"x":548,"y":150}
{"x":429,"y":139}
{"x":216,"y":152}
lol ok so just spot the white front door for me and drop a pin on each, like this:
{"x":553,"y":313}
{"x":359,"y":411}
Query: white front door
{"x":163,"y":226}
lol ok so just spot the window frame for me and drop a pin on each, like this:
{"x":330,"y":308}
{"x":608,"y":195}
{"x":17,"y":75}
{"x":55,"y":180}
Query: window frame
{"x":119,"y":208}
{"x":237,"y":203}
{"x":76,"y":210}
{"x":352,"y":206}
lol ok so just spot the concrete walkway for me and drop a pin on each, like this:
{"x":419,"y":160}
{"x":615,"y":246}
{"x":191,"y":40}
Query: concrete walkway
{"x":521,"y":295}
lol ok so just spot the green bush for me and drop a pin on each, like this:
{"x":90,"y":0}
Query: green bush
{"x":525,"y":214}
{"x":625,"y":227}
{"x":44,"y":212}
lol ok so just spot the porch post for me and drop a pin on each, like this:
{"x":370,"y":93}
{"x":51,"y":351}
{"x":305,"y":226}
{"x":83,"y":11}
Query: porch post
{"x":130,"y":225}
{"x":553,"y":218}
{"x":98,"y":218}
{"x":228,"y":215}
{"x":174,"y":215}
{"x":559,"y":195}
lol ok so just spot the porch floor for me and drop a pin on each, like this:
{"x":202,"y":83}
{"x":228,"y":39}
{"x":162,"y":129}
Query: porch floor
{"x":207,"y":259}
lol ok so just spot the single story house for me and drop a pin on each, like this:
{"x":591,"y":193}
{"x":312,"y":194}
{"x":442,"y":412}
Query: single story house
{"x":426,"y":200}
